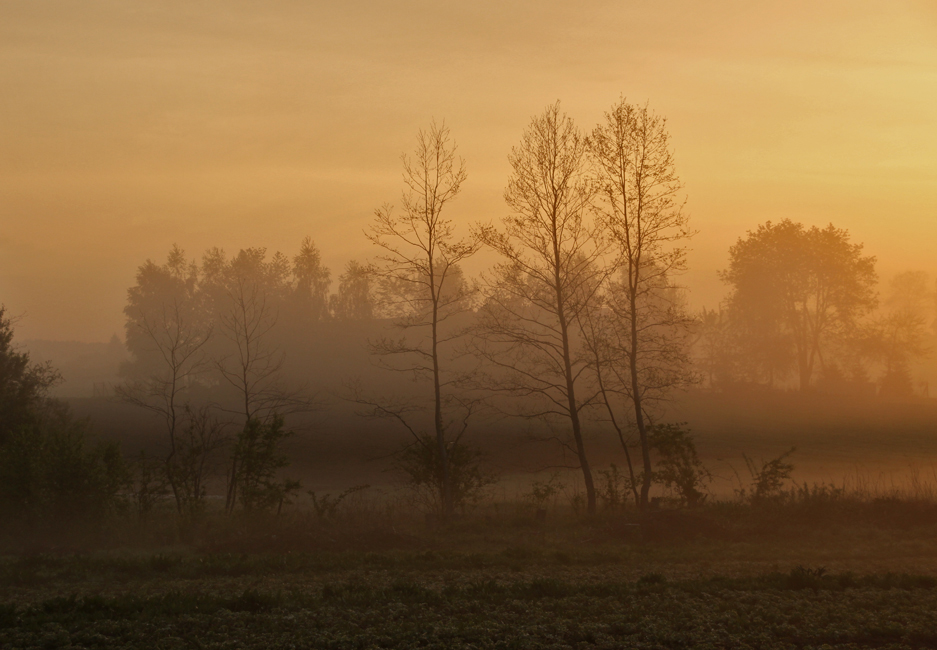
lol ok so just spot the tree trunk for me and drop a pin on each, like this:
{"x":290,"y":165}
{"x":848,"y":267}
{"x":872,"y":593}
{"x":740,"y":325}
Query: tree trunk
{"x":638,"y":406}
{"x":448,"y":504}
{"x":573,"y":407}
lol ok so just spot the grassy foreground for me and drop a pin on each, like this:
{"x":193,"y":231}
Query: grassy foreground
{"x":562,"y":585}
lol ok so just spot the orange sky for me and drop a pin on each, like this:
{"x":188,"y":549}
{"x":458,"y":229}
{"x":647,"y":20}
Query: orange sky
{"x":128,"y":126}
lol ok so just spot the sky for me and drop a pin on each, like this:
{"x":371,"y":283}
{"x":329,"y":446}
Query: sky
{"x":127,"y":127}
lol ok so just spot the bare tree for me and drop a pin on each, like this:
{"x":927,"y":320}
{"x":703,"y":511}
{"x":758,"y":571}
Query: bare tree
{"x":421,"y":283}
{"x":167,"y":334}
{"x":646,"y":338}
{"x":252,"y":367}
{"x":549,"y":274}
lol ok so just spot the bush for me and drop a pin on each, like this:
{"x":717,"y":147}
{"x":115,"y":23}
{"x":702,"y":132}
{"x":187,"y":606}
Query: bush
{"x":420,"y":463}
{"x":257,"y":461}
{"x":767,"y":481}
{"x":49,"y":472}
{"x":615,"y":488}
{"x":679,"y":468}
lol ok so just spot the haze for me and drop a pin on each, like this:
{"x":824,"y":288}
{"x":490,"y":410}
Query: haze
{"x":127,"y":127}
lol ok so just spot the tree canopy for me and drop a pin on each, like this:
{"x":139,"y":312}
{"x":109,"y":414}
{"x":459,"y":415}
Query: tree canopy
{"x":796,"y":292}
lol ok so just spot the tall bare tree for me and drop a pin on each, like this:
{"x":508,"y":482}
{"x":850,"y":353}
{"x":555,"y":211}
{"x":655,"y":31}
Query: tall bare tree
{"x":642,"y":213}
{"x":421,"y":283}
{"x":549,"y":274}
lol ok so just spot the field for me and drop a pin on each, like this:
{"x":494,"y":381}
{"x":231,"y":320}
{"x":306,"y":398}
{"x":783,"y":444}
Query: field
{"x":850,"y":561}
{"x":725,"y":577}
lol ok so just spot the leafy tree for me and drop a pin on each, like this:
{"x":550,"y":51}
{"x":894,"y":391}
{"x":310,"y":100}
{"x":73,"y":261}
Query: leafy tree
{"x":678,"y":467}
{"x":168,"y":332}
{"x":898,"y":335}
{"x":48,"y":470}
{"x":311,"y":284}
{"x":463,"y":479}
{"x":258,"y":460}
{"x":802,"y":289}
{"x":24,"y":385}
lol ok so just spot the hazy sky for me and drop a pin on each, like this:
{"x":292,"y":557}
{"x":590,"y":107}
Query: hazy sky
{"x":128,"y":126}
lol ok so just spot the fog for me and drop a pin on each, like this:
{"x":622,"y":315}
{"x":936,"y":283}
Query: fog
{"x":126,"y":129}
{"x":468,"y":325}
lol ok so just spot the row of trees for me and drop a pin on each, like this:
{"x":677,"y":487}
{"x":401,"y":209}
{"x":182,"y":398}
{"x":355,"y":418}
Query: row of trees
{"x":580,"y":323}
{"x":580,"y":314}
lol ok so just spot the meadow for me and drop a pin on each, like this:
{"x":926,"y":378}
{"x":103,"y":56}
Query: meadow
{"x":845,"y":556}
{"x":779,"y":579}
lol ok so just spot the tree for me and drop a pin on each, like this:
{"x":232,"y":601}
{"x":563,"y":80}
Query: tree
{"x":48,"y":470}
{"x":810,"y":286}
{"x":354,"y":300}
{"x":645,"y":339}
{"x":549,"y":275}
{"x":898,"y":335}
{"x":24,"y":385}
{"x":252,"y":363}
{"x":311,"y":286}
{"x":257,"y":459}
{"x":418,"y":268}
{"x":167,"y":334}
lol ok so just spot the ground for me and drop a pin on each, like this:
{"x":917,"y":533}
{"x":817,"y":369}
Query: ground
{"x":489,"y":584}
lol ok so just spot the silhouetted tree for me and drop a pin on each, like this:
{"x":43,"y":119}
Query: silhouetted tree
{"x":252,"y":362}
{"x":421,"y":284}
{"x":714,"y":347}
{"x":811,"y":285}
{"x":24,"y":385}
{"x":311,"y":284}
{"x":645,"y":334}
{"x":49,"y":473}
{"x":167,"y":333}
{"x":549,"y":274}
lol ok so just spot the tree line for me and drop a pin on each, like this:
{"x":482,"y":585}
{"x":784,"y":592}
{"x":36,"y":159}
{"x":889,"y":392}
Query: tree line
{"x":581,"y":323}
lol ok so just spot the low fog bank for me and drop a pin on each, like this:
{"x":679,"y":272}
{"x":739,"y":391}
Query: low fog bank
{"x":867,"y":444}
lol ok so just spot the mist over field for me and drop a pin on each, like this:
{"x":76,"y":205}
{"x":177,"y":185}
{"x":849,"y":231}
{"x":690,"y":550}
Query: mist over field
{"x":481,"y":325}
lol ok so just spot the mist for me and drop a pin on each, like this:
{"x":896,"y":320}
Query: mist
{"x":483,"y":325}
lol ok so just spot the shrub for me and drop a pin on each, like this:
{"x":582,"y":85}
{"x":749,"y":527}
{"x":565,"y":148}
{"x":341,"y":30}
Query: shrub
{"x":678,"y":467}
{"x":49,"y":472}
{"x":767,"y":481}
{"x":614,"y":488}
{"x":258,"y":460}
{"x":326,"y":506}
{"x":424,"y":474}
{"x":543,"y":491}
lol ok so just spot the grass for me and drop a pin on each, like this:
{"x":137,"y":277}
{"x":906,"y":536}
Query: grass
{"x":814,"y":567}
{"x":851,"y":565}
{"x":533,"y":609}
